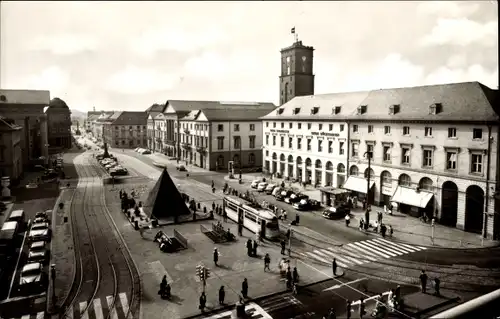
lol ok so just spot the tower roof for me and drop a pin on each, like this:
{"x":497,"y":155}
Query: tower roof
{"x":165,"y":200}
{"x":297,"y":45}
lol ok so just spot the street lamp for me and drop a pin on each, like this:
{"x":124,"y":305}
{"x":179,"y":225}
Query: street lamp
{"x":368,"y":155}
{"x":240,"y":161}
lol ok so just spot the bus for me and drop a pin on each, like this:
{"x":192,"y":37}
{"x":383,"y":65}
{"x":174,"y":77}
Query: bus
{"x":252,"y":218}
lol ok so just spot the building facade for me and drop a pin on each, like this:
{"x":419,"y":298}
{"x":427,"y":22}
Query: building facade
{"x":11,"y":158}
{"x":59,"y":123}
{"x":26,"y":109}
{"x":153,"y":136}
{"x":428,"y":149}
{"x":125,"y":130}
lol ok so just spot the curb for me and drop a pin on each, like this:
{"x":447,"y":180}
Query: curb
{"x":257,"y":299}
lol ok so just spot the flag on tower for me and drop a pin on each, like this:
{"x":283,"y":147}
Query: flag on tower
{"x":292,"y":31}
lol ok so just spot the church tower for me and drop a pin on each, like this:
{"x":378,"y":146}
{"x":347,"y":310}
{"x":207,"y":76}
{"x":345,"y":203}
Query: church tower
{"x":297,"y":78}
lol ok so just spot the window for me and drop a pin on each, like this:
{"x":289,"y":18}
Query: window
{"x":387,"y":153}
{"x":282,"y":125}
{"x":274,"y":124}
{"x":452,"y":132}
{"x":387,"y":130}
{"x":308,"y":144}
{"x":330,"y":147}
{"x":251,"y":159}
{"x":237,"y":142}
{"x":476,"y":161}
{"x":369,"y":148}
{"x":308,"y":126}
{"x":290,"y":142}
{"x":354,"y":128}
{"x":342,"y":127}
{"x":406,"y":130}
{"x":320,"y":126}
{"x":220,"y":127}
{"x":451,"y":160}
{"x":267,"y":124}
{"x":252,"y":128}
{"x":427,"y":157}
{"x":370,"y":128}
{"x":220,"y":142}
{"x":300,"y":125}
{"x":267,"y":139}
{"x":477,"y":133}
{"x":236,"y":127}
{"x":282,"y":141}
{"x":267,"y":152}
{"x":341,"y":148}
{"x":299,"y":143}
{"x":290,"y":125}
{"x":405,"y":155}
{"x":428,"y":131}
{"x":274,"y":140}
{"x":330,"y":127}
{"x":251,"y":141}
{"x":320,"y":146}
{"x":355,"y":150}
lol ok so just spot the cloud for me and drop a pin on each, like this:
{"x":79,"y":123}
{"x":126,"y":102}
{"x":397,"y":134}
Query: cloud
{"x":52,"y":78}
{"x":64,"y":44}
{"x":176,"y":39}
{"x":135,"y":80}
{"x":462,"y":32}
{"x":447,"y":8}
{"x":472,"y":73}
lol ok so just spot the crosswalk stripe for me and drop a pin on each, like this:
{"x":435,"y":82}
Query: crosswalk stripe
{"x":83,"y":306}
{"x":357,"y":250}
{"x":40,"y":315}
{"x":367,"y":250}
{"x":109,"y":301}
{"x":396,"y":245}
{"x":98,"y":309}
{"x":355,"y":260}
{"x":385,"y":249}
{"x":375,"y":251}
{"x":340,"y":261}
{"x":393,"y":248}
{"x":317,"y":257}
{"x":124,"y":301}
{"x":325,"y":253}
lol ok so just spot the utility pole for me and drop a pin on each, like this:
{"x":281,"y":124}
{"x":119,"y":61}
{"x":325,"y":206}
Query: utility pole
{"x":369,"y":156}
{"x":240,"y":160}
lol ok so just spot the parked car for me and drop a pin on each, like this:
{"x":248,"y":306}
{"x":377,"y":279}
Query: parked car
{"x":118,"y":171}
{"x":137,"y":149}
{"x":39,"y":232}
{"x":283,"y":194}
{"x":180,"y":167}
{"x":262,"y":187}
{"x":37,"y":252}
{"x":43,"y":215}
{"x":146,"y":152}
{"x":255,"y":183}
{"x":336,"y":212}
{"x":290,"y":198}
{"x":40,"y":220}
{"x":32,"y":277}
{"x":295,"y":198}
{"x":270,"y":187}
{"x":276,"y":191}
{"x":306,"y":204}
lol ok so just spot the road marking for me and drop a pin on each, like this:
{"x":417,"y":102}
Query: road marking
{"x":344,"y":284}
{"x":327,"y":254}
{"x":357,"y":302}
{"x":109,"y":301}
{"x":124,"y":301}
{"x":354,"y":251}
{"x":390,"y":248}
{"x":98,"y":309}
{"x":321,"y":272}
{"x":317,"y":257}
{"x":83,"y":306}
{"x":159,"y":271}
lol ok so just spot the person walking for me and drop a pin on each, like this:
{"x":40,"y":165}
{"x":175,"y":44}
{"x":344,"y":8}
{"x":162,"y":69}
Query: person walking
{"x":203,"y":301}
{"x":423,"y":281}
{"x":222,"y":295}
{"x":334,"y":266}
{"x":249,"y":247}
{"x":362,"y":310}
{"x":244,"y":288}
{"x":295,"y":275}
{"x":283,"y":246}
{"x":224,"y":215}
{"x":213,"y":205}
{"x":267,"y":262}
{"x":348,"y":309}
{"x":216,"y":256}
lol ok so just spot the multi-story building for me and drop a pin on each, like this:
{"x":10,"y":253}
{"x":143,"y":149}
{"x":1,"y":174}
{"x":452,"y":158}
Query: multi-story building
{"x":432,"y":149}
{"x":26,"y":109}
{"x":126,"y":129}
{"x":11,"y":161}
{"x":154,"y":143}
{"x":59,"y":122}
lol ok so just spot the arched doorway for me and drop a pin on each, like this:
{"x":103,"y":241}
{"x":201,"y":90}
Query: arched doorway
{"x":220,"y":162}
{"x":354,"y":170}
{"x":426,"y":185}
{"x":290,"y":166}
{"x":340,"y":175}
{"x":329,"y":174}
{"x":474,"y":203}
{"x":318,"y":172}
{"x":385,"y":187}
{"x":275,"y":163}
{"x":308,"y":170}
{"x":282,"y":165}
{"x":449,"y":204}
{"x":299,"y":169}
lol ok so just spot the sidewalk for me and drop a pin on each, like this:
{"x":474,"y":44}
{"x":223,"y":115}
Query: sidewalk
{"x":406,"y":228}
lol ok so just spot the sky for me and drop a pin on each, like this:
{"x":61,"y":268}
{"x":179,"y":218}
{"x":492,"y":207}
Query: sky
{"x":129,"y":55}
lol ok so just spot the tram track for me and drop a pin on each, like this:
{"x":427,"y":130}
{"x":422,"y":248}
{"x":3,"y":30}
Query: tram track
{"x":106,"y":282}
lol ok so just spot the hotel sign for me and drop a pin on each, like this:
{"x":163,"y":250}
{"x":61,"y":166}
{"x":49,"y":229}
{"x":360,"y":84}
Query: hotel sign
{"x":280,"y":131}
{"x":325,"y":134}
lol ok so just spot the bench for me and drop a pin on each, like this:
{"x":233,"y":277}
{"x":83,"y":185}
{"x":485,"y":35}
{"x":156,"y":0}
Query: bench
{"x":215,"y":234}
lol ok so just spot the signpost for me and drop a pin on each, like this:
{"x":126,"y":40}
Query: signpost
{"x":203,"y":273}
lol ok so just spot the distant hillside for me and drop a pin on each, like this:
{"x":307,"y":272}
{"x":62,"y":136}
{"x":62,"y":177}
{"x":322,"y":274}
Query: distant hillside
{"x":78,"y":114}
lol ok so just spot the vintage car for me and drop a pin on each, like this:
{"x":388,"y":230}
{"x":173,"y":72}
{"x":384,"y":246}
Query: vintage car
{"x":31,"y":278}
{"x":337,"y":212}
{"x":306,"y":204}
{"x":269,"y":189}
{"x":37,"y":252}
{"x":262,"y":187}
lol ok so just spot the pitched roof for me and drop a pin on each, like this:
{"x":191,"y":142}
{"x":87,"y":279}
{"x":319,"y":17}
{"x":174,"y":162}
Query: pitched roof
{"x":164,"y":200}
{"x":153,"y":114}
{"x":241,"y":114}
{"x":187,"y":106}
{"x":36,"y":97}
{"x":156,"y":108}
{"x":469,"y":101}
{"x":130,"y":118}
{"x":191,"y":116}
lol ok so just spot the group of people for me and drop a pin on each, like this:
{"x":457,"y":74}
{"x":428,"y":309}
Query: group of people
{"x":222,"y":295}
{"x":378,"y":226}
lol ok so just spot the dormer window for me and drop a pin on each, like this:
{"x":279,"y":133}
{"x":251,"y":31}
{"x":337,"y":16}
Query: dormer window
{"x":296,"y":110}
{"x":314,"y":110}
{"x":394,"y":109}
{"x":336,"y":110}
{"x":3,"y":98}
{"x":362,"y":109}
{"x":279,"y":111}
{"x":435,"y":108}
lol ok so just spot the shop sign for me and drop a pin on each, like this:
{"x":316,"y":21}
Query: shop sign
{"x":387,"y":190}
{"x":279,"y":131}
{"x":325,"y":134}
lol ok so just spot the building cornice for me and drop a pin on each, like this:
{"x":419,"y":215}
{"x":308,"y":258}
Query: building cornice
{"x":389,"y":121}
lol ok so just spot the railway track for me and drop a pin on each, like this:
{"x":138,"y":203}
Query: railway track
{"x":106,"y":283}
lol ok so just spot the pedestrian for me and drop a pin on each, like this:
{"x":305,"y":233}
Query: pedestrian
{"x":216,"y":256}
{"x":391,"y":231}
{"x":244,"y":288}
{"x":213,"y":205}
{"x":362,"y":310}
{"x":397,"y":293}
{"x":284,"y":214}
{"x":213,"y":184}
{"x":224,"y":215}
{"x":383,"y":230}
{"x":222,"y":295}
{"x":141,"y":231}
{"x":334,"y":266}
{"x":249,"y":247}
{"x":203,"y":301}
{"x":288,"y":278}
{"x":379,"y":217}
{"x":423,"y":281}
{"x":437,"y":286}
{"x":283,"y":246}
{"x":367,"y":219}
{"x":348,"y":309}
{"x":240,"y":226}
{"x":255,"y":245}
{"x":295,"y":275}
{"x":267,"y":262}
{"x":364,"y":203}
{"x":297,"y":219}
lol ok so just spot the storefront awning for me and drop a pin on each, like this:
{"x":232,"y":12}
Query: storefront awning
{"x":411,"y":197}
{"x":357,"y":184}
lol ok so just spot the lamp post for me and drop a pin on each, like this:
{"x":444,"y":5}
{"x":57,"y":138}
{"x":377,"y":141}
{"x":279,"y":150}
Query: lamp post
{"x":240,"y":161}
{"x":368,"y":155}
